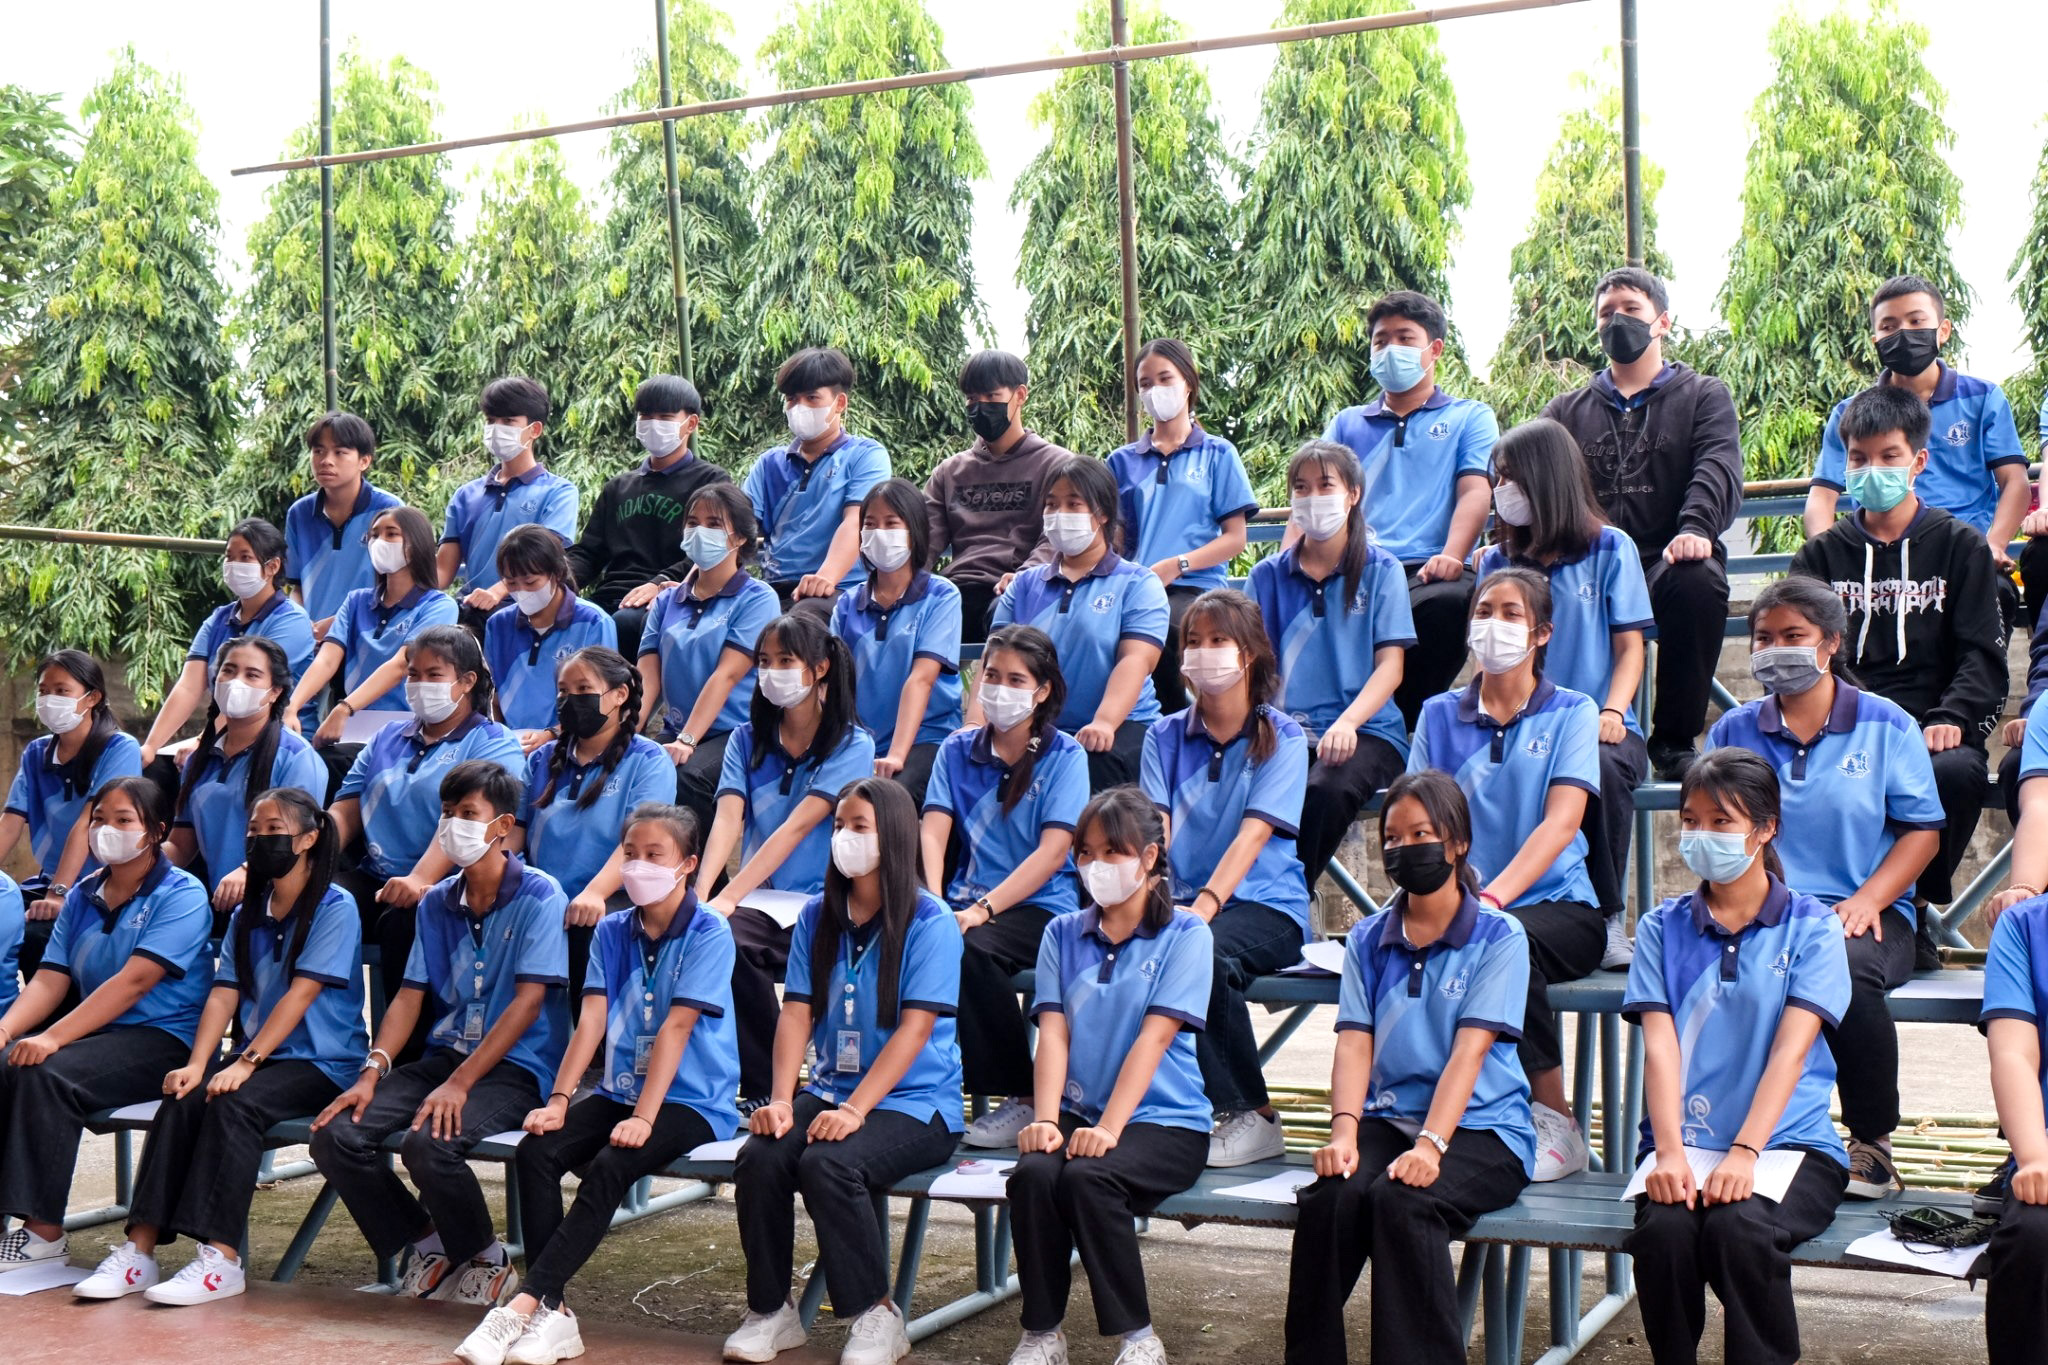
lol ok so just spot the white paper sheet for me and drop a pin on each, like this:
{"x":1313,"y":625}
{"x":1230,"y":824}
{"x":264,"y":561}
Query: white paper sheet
{"x":1886,"y":1247}
{"x":1949,"y":985}
{"x":511,"y":1139}
{"x":978,"y":1179}
{"x":1774,"y":1171}
{"x":144,"y":1112}
{"x":781,"y":906}
{"x":1274,"y":1189}
{"x":727,"y":1150}
{"x":1322,"y":958}
{"x":49,"y":1275}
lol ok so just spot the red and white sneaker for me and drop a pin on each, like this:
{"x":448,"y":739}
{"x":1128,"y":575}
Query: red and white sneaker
{"x":209,"y":1276}
{"x":125,"y":1271}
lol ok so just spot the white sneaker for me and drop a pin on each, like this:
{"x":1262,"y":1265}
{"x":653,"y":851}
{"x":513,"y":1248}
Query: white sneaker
{"x":492,"y":1338}
{"x":1621,"y":949}
{"x":1150,"y":1351}
{"x":1041,"y":1348}
{"x":1241,"y":1139}
{"x":999,"y":1126}
{"x":552,"y":1335}
{"x":763,"y":1336}
{"x":208,"y":1276}
{"x":21,"y":1248}
{"x":481,"y":1282}
{"x":125,"y":1271}
{"x":876,"y":1338}
{"x":422,"y":1274}
{"x":1560,"y":1146}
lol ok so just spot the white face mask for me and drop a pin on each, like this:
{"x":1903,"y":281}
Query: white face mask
{"x":1321,"y":515}
{"x":244,"y":580}
{"x":1006,"y":707}
{"x":113,"y":846}
{"x":1069,"y":533}
{"x":504,"y":442}
{"x":464,"y":841}
{"x":648,"y":883}
{"x":1212,"y":670}
{"x":238,"y":700}
{"x":60,"y":715}
{"x":855,"y":854}
{"x":387,"y":556}
{"x":783,"y":686}
{"x":1164,"y":402}
{"x":1511,"y":504}
{"x":432,"y":702}
{"x":535,"y":602}
{"x":886,"y":550}
{"x":1112,"y":881}
{"x":1499,"y":646}
{"x":658,"y":437}
{"x":807,"y":423}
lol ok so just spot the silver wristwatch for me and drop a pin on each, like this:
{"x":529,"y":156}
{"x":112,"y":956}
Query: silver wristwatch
{"x":1433,"y":1140}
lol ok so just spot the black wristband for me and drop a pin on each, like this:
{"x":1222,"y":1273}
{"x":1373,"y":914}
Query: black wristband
{"x":1747,"y":1148}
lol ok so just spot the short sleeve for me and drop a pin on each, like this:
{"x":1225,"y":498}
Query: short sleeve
{"x":1183,"y":989}
{"x":1066,"y":789}
{"x":842,"y":611}
{"x":931,"y":965}
{"x":732,"y":770}
{"x":227,"y":969}
{"x":1152,"y":765}
{"x":542,"y":950}
{"x":2001,"y":432}
{"x":2034,"y":751}
{"x":796,"y":974}
{"x":657,"y":617}
{"x":202,"y":640}
{"x":342,"y":633}
{"x":302,"y":768}
{"x":180,"y":928}
{"x":1910,"y":799}
{"x":864,"y":471}
{"x":1006,"y":606}
{"x":704,"y":979}
{"x":455,"y":521}
{"x":1354,"y":988}
{"x":1048,"y":992}
{"x":938,"y":792}
{"x":850,"y":762}
{"x":1280,"y":784}
{"x":1230,"y":492}
{"x":1498,"y":989}
{"x":596,"y":975}
{"x":358,"y":773}
{"x":755,"y":610}
{"x":57,"y":952}
{"x":1476,"y":442}
{"x":1646,"y":992}
{"x":17,"y":790}
{"x":607,"y":630}
{"x":1393,"y":619}
{"x":502,"y":749}
{"x":2009,"y":972}
{"x":1146,"y":615}
{"x":1832,"y":469}
{"x":536,"y":779}
{"x":1576,"y":761}
{"x":416,"y":973}
{"x":652,"y":781}
{"x":1626,"y":591}
{"x":756,"y":489}
{"x":938,"y":631}
{"x":1418,"y":748}
{"x":294,"y":558}
{"x":333,"y":946}
{"x":558,"y":510}
{"x":1819,"y":978}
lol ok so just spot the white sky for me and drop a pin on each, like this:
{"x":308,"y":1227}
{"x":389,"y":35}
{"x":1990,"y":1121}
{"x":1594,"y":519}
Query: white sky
{"x":251,"y":70}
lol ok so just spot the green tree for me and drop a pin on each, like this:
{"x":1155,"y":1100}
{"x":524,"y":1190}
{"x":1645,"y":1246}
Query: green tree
{"x":1848,"y":183}
{"x":1070,"y":260}
{"x":866,"y":215}
{"x":129,"y":389}
{"x":34,"y":162}
{"x":2029,"y":277}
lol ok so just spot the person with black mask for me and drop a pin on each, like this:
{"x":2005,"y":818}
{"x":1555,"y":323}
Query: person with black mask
{"x":1662,"y":443}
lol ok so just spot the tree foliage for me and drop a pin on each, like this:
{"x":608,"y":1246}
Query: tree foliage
{"x":128,"y":386}
{"x":34,"y":161}
{"x":2029,"y":277}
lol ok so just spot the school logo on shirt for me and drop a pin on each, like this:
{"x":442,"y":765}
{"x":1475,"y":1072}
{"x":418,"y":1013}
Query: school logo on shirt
{"x":1856,"y":764}
{"x":1454,"y":988}
{"x":1697,"y":1107}
{"x":1959,"y":434}
{"x":1103,"y":603}
{"x":141,"y":918}
{"x":1075,"y":1095}
{"x":623,"y":1082}
{"x":1150,"y":971}
{"x":1540,"y":745}
{"x":1440,"y":431}
{"x":1589,"y":592}
{"x":1783,"y":966}
{"x":611,"y":788}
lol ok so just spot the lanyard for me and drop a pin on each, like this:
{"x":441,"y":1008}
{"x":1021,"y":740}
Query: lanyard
{"x":650,"y":962}
{"x":480,"y":944}
{"x":853,"y":962}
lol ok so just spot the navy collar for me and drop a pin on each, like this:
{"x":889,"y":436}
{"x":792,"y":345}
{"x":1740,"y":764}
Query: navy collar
{"x":734,"y":586}
{"x":647,"y":467}
{"x":1197,"y":730}
{"x":1471,"y":713}
{"x":151,"y":879}
{"x":1196,"y":437}
{"x":1378,"y":406}
{"x":1104,"y":567}
{"x":1394,"y":933}
{"x":413,"y":596}
{"x":498,"y":485}
{"x":277,"y":601}
{"x":1944,"y":383}
{"x":1091,"y":927}
{"x":678,"y":924}
{"x":795,"y":450}
{"x":1841,"y":719}
{"x":864,"y":595}
{"x":1604,"y":383}
{"x":414,"y":730}
{"x":508,"y":887}
{"x":982,"y":748}
{"x":571,"y":610}
{"x":1776,"y":901}
{"x":364,"y":493}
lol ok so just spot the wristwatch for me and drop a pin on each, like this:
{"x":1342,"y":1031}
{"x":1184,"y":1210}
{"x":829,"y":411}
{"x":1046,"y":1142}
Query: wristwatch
{"x":1433,"y":1140}
{"x":252,"y":1057}
{"x":687,"y":740}
{"x":1185,"y":567}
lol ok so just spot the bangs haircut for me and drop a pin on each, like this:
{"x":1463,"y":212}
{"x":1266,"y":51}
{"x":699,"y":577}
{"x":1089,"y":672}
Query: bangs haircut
{"x":343,"y":429}
{"x":1883,"y":409}
{"x":667,"y":393}
{"x":1406,"y":304}
{"x":739,"y":514}
{"x":1542,"y":458}
{"x":534,"y":549}
{"x":1739,"y":781}
{"x":906,"y":500}
{"x":1229,"y":612}
{"x":480,"y":775}
{"x":1126,"y":822}
{"x":1091,"y":479}
{"x":986,"y":371}
{"x":1329,"y":457}
{"x":514,"y":396}
{"x":1899,"y":286}
{"x":896,"y":836}
{"x":815,"y":367}
{"x":1636,"y":278}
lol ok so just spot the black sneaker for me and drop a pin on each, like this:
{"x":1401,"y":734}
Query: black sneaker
{"x":1988,"y":1201}
{"x":1668,"y":762}
{"x":1871,"y":1172}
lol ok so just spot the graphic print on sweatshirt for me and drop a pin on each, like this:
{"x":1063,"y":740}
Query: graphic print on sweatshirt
{"x":995,"y":499}
{"x":1894,"y":595}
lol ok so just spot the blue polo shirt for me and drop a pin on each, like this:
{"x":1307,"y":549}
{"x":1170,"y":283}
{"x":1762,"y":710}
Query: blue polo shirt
{"x":370,"y":633}
{"x":1088,"y":618}
{"x":1412,"y":466}
{"x":1507,"y":772}
{"x":690,"y":637}
{"x":691,"y":966}
{"x":1727,"y":993}
{"x":523,"y":661}
{"x":484,"y":510}
{"x":1848,"y":796}
{"x":1592,"y":600}
{"x":1414,"y":1000}
{"x":52,"y":795}
{"x":1325,"y":642}
{"x":281,"y":620}
{"x":966,"y":784}
{"x":329,"y":562}
{"x":397,"y":780}
{"x":331,"y":1034}
{"x":887,"y":641}
{"x":571,"y":843}
{"x":1175,"y":504}
{"x":470,"y":966}
{"x":773,"y":790}
{"x":1973,"y":433}
{"x":800,"y":503}
{"x":1207,"y":790}
{"x":167,"y":920}
{"x":1106,"y":990}
{"x":2016,"y":972}
{"x":217,"y":812}
{"x":13,"y":925}
{"x":2033,"y":752}
{"x":928,"y":979}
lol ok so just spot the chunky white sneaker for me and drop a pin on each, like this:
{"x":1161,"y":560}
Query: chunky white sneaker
{"x":492,"y":1338}
{"x":1041,"y":1348}
{"x":1241,"y":1139}
{"x":208,"y":1276}
{"x":1149,"y":1351}
{"x":1621,"y":949}
{"x":421,"y":1274}
{"x":21,"y":1248}
{"x":999,"y":1126}
{"x":1560,"y":1146}
{"x":763,"y":1336}
{"x":125,"y":1271}
{"x":877,"y":1337}
{"x":481,"y":1282}
{"x":552,"y":1335}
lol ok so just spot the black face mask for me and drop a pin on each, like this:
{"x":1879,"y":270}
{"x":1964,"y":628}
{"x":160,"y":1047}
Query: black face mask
{"x":269,"y":856}
{"x":580,"y":716}
{"x":989,"y":420}
{"x":1417,"y":869}
{"x":1908,"y":352}
{"x":1624,"y":338}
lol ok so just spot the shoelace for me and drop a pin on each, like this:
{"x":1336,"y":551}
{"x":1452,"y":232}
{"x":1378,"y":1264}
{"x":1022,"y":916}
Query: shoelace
{"x":873,"y":1325}
{"x":504,"y":1325}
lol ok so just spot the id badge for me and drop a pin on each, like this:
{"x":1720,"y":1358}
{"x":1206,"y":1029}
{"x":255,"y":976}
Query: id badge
{"x":848,"y":1062}
{"x":473,"y":1023}
{"x":643,"y":1048}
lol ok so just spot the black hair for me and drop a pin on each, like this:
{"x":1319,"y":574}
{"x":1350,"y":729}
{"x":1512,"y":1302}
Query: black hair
{"x":987,"y":371}
{"x":1542,"y":458}
{"x":1330,"y":456}
{"x":263,"y":751}
{"x":148,"y":799}
{"x":534,"y":549}
{"x":1898,"y":286}
{"x":300,"y":809}
{"x":1174,"y":352}
{"x":806,"y":635}
{"x":815,"y":367}
{"x":896,"y":835}
{"x":1820,"y":604}
{"x":739,"y":514}
{"x":418,"y":539}
{"x":906,"y":500}
{"x":667,"y":393}
{"x":343,"y":429}
{"x":1443,"y":802}
{"x":1042,"y":661}
{"x":679,"y":821}
{"x":1414,"y":307}
{"x":458,"y":649}
{"x":514,"y":396}
{"x":87,"y":673}
{"x":1636,"y":278}
{"x":264,"y":540}
{"x":1883,"y":409}
{"x":480,"y":775}
{"x":1235,"y":615}
{"x":1091,"y":478}
{"x":613,"y":671}
{"x":1535,"y":590}
{"x":1738,"y":780}
{"x":1127,"y":822}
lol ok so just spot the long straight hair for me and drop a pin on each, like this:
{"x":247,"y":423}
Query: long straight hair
{"x":1041,"y":659}
{"x":1738,"y":780}
{"x":906,"y":500}
{"x":896,"y":834}
{"x":263,"y":752}
{"x":265,"y":541}
{"x":84,"y":670}
{"x":417,"y":535}
{"x":1543,"y":460}
{"x":298,"y":809}
{"x":613,"y":671}
{"x":1124,"y":820}
{"x":1231,"y":613}
{"x":1443,"y":801}
{"x":806,"y":635}
{"x":459,"y":649}
{"x":1328,"y":457}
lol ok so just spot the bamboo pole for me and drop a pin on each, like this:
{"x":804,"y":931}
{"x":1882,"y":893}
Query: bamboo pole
{"x":331,"y":370}
{"x":675,"y":193}
{"x":1126,"y":214}
{"x":1631,"y":134}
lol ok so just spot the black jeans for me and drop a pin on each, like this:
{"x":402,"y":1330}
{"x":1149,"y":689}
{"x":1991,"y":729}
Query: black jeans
{"x":1117,"y":766}
{"x":349,"y":1153}
{"x":630,"y":623}
{"x":2016,"y":1291}
{"x":1689,"y":602}
{"x":1059,"y":1203}
{"x":1610,"y":822}
{"x":2034,"y":578}
{"x":697,"y":781}
{"x":917,"y":772}
{"x":1959,"y":784}
{"x":761,"y":951}
{"x":995,"y":1038}
{"x":198,"y":1169}
{"x":1251,"y":941}
{"x":1405,"y":1232}
{"x":557,"y":1247}
{"x":2008,"y":786}
{"x":839,"y":1182}
{"x":977,"y":604}
{"x":1337,"y":792}
{"x":1438,"y":653}
{"x":1744,"y":1251}
{"x":1566,"y":941}
{"x":43,"y":1110}
{"x":1866,"y":1042}
{"x":1167,"y":682}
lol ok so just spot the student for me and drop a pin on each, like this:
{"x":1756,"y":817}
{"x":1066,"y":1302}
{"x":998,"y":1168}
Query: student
{"x":1341,"y":661}
{"x":1427,"y":457}
{"x":882,"y":1101}
{"x":902,"y":627}
{"x":2027,"y":801}
{"x":1229,"y":774}
{"x":1735,"y":1067}
{"x":1429,"y":1107}
{"x":2014,"y":1008}
{"x":658,"y":1005}
{"x":290,"y":982}
{"x":326,"y":555}
{"x":517,"y":492}
{"x":132,"y":938}
{"x":1663,"y":446}
{"x":983,"y":503}
{"x":1525,"y":753}
{"x":546,"y":623}
{"x":1130,"y":974}
{"x":1012,"y":788}
{"x":13,"y":928}
{"x":1549,"y":522}
{"x":807,"y":495}
{"x":373,"y":624}
{"x":801,"y":745}
{"x":1185,"y":520}
{"x":697,"y":648}
{"x":486,"y":973}
{"x":1855,"y":781}
{"x":1107,"y":617}
{"x":1923,"y":612}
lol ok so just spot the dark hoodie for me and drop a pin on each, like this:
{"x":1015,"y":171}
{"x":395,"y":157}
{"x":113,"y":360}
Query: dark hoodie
{"x":988,"y":510}
{"x":1924,"y":626}
{"x":635,"y":531}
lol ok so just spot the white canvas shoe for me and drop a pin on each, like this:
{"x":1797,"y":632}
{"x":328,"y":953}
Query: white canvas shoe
{"x":1241,"y":1139}
{"x":21,"y":1248}
{"x":207,"y":1277}
{"x":125,"y":1271}
{"x":999,"y":1126}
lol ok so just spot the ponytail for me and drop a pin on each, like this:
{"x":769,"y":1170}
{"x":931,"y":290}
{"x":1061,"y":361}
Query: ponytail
{"x":300,"y":809}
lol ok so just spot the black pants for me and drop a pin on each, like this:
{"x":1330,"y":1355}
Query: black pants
{"x":1060,"y":1203}
{"x":1743,"y":1250}
{"x":349,"y":1153}
{"x":2034,"y":577}
{"x":761,"y":952}
{"x":1689,"y":602}
{"x":198,"y":1169}
{"x":917,"y":771}
{"x":839,"y":1182}
{"x":631,"y":624}
{"x":1866,"y":1042}
{"x":1610,"y":822}
{"x":995,"y":1038}
{"x":43,"y":1110}
{"x":1959,"y":784}
{"x":1167,"y":682}
{"x":339,"y":758}
{"x":2008,"y":787}
{"x":1405,"y":1232}
{"x":697,"y":781}
{"x":1438,"y":653}
{"x":557,"y":1247}
{"x":1566,"y":941}
{"x":1251,"y":941}
{"x":391,"y":928}
{"x":1337,"y":792}
{"x":817,"y":606}
{"x":1117,"y":766}
{"x":977,"y":604}
{"x":2016,"y":1292}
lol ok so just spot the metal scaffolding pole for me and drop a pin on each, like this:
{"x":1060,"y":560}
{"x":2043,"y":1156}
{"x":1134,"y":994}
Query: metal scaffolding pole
{"x":1631,"y":135}
{"x":675,"y":191}
{"x":1126,"y":214}
{"x":332,"y":374}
